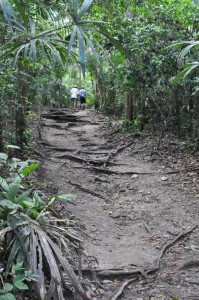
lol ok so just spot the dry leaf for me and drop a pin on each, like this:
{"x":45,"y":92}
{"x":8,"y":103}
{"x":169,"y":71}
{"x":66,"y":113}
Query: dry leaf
{"x":134,"y":176}
{"x":163,"y":178}
{"x":143,"y":272}
{"x":101,"y":291}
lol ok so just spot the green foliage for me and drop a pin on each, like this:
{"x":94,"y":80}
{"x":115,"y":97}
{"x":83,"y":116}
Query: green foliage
{"x":29,"y":236}
{"x":18,"y":276}
{"x":147,"y":66}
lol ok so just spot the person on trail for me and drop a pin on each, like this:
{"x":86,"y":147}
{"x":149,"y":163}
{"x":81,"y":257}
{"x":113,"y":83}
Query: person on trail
{"x":82,"y":94}
{"x":74,"y":96}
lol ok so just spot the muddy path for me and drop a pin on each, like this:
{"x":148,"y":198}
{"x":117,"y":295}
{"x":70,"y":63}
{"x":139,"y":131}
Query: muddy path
{"x":136,"y":213}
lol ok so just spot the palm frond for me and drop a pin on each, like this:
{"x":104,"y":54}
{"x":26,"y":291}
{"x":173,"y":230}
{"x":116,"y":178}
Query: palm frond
{"x":75,"y":9}
{"x":187,"y":49}
{"x":36,"y":264}
{"x":81,"y":51}
{"x":115,"y":43}
{"x":22,"y":12}
{"x":84,"y":8}
{"x":44,"y":242}
{"x":93,"y":50}
{"x":184,"y":73}
{"x":81,"y":22}
{"x":7,"y":11}
{"x":68,"y":269}
{"x":72,"y":38}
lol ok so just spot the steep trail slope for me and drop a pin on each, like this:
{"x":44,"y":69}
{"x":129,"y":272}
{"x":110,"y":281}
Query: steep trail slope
{"x":128,"y":208}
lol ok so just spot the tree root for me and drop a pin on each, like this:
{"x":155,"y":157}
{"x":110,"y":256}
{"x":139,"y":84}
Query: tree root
{"x":115,"y":152}
{"x":89,"y":191}
{"x":108,"y":171}
{"x":156,"y":268}
{"x":168,"y":245}
{"x":84,"y":161}
{"x":120,"y":291}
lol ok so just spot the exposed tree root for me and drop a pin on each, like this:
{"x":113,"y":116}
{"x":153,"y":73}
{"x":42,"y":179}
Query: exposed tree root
{"x":85,"y":161}
{"x":89,"y":191}
{"x":168,"y":245}
{"x":156,"y":268}
{"x":120,"y":291}
{"x":62,"y":149}
{"x":39,"y":153}
{"x":115,"y":152}
{"x":108,"y":171}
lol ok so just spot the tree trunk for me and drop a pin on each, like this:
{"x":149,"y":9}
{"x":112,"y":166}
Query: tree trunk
{"x":177,"y":103}
{"x":22,"y":95}
{"x":128,"y":109}
{"x":1,"y":137}
{"x":197,"y":118}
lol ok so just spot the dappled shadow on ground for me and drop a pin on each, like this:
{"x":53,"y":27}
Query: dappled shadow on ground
{"x":136,"y":205}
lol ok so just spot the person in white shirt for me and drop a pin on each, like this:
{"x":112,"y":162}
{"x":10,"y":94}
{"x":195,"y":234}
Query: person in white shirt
{"x":74,"y":93}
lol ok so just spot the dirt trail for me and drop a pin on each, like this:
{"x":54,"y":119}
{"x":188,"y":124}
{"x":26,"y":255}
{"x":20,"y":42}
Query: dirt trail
{"x":128,"y":208}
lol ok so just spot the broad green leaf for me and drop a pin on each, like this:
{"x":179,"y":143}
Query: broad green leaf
{"x":38,"y":199}
{"x":23,"y":196}
{"x":8,"y":296}
{"x":16,"y":180}
{"x":3,"y":156}
{"x":12,"y":192}
{"x":18,"y":283}
{"x":9,"y":204}
{"x":4,"y":184}
{"x":30,"y":169}
{"x":17,"y":267}
{"x":30,"y":276}
{"x":8,"y":287}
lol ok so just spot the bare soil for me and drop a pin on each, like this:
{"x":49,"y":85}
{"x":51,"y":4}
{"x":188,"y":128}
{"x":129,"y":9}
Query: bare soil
{"x":136,"y":205}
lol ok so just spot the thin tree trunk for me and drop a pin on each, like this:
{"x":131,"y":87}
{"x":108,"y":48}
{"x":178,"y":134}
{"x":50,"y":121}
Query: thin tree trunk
{"x":128,"y":109}
{"x":1,"y":136}
{"x":22,"y":94}
{"x":177,"y":102}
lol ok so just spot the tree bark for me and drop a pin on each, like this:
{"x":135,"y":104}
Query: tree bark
{"x":1,"y":136}
{"x":22,"y":95}
{"x":128,"y":109}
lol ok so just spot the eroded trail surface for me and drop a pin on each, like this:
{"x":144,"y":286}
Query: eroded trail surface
{"x":136,"y":206}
